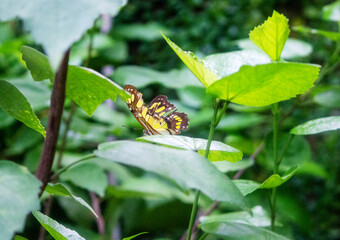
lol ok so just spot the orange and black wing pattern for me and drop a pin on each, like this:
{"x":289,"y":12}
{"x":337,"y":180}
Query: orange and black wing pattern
{"x":160,"y":117}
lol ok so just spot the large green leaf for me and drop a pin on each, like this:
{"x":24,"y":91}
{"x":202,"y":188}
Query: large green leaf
{"x":187,"y":168}
{"x":57,"y":231}
{"x":218,"y":150}
{"x":335,"y":36}
{"x":272,"y":35}
{"x":318,"y":125}
{"x":37,"y":63}
{"x":89,"y":88}
{"x":141,"y":76}
{"x":262,"y":85}
{"x":13,"y":102}
{"x":53,"y":24}
{"x":61,"y":190}
{"x":88,"y":176}
{"x":240,"y":231}
{"x":331,"y":12}
{"x":246,"y":186}
{"x":197,"y":66}
{"x":18,"y":196}
{"x":293,"y":48}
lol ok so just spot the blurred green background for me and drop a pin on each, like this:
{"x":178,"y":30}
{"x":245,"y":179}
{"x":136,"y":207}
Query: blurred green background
{"x":130,"y":49}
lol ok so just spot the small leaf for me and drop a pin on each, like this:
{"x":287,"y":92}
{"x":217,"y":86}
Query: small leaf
{"x":88,"y":176}
{"x":60,"y":190}
{"x":335,"y":36}
{"x":240,"y":231}
{"x":15,"y":104}
{"x":272,"y":35}
{"x":196,"y":65}
{"x":187,"y":168}
{"x":132,"y":237}
{"x":89,"y":88}
{"x":262,"y":85}
{"x":57,"y":231}
{"x":331,"y":12}
{"x":19,"y":191}
{"x":37,"y":63}
{"x":276,"y":180}
{"x":318,"y":125}
{"x":246,"y":186}
{"x":218,"y":151}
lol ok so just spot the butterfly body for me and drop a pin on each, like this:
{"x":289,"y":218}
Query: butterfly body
{"x":159,"y":117}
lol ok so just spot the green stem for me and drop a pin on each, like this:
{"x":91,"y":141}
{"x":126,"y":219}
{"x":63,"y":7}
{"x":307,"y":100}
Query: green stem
{"x":203,"y":236}
{"x":57,"y":174}
{"x":213,"y":125}
{"x":275,"y":110}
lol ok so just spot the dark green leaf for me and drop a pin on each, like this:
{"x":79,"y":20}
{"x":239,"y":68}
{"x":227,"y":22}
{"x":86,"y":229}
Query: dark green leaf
{"x":218,"y":151}
{"x":187,"y":168}
{"x":37,"y":63}
{"x":262,"y":85}
{"x":89,"y":88}
{"x":136,"y":235}
{"x":60,"y":190}
{"x":272,"y":35}
{"x":317,"y":126}
{"x":15,"y":104}
{"x":57,"y":231}
{"x":18,"y":197}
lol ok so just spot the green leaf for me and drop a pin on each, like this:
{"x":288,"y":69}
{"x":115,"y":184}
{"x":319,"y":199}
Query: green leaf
{"x":141,"y":77}
{"x":187,"y":168}
{"x":329,"y":97}
{"x":293,"y":48}
{"x":258,"y":218}
{"x":88,"y":176}
{"x":143,"y":32}
{"x":262,"y":85}
{"x":19,"y":191}
{"x":218,"y":150}
{"x":235,"y":122}
{"x":37,"y":63}
{"x":15,"y":104}
{"x":17,"y":237}
{"x":48,"y":25}
{"x":196,"y":65}
{"x":89,"y":88}
{"x":132,"y":237}
{"x":61,"y":190}
{"x":57,"y":231}
{"x":240,"y":231}
{"x":318,"y":125}
{"x":246,"y":186}
{"x":272,"y":35}
{"x":335,"y":36}
{"x":313,"y":169}
{"x":331,"y":12}
{"x":225,"y":166}
{"x":276,"y":180}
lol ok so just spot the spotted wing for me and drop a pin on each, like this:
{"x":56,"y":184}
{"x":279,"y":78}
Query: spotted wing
{"x":176,"y":122}
{"x":160,"y":105}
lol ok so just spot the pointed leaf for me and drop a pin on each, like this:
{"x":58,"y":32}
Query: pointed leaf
{"x":240,"y":231}
{"x":187,"y":168}
{"x":197,"y":66}
{"x":218,"y":150}
{"x":19,"y":191}
{"x":262,"y":85}
{"x":276,"y":180}
{"x":89,"y":88}
{"x":53,"y":24}
{"x":318,"y":125}
{"x":331,"y":12}
{"x":132,"y":237}
{"x":57,"y":231}
{"x":15,"y":104}
{"x":37,"y":63}
{"x":272,"y":35}
{"x":60,"y":190}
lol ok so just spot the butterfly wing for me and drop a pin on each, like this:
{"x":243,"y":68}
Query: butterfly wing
{"x":160,"y":105}
{"x":177,"y":121}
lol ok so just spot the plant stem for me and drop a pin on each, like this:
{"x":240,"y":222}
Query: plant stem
{"x":213,"y":124}
{"x":54,"y":119}
{"x":203,"y":236}
{"x":275,"y":110}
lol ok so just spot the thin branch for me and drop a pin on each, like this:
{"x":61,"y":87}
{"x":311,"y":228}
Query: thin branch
{"x":52,"y":133}
{"x":96,"y":207}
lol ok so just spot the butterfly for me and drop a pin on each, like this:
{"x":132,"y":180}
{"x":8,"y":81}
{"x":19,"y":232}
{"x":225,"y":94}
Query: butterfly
{"x":160,"y":117}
